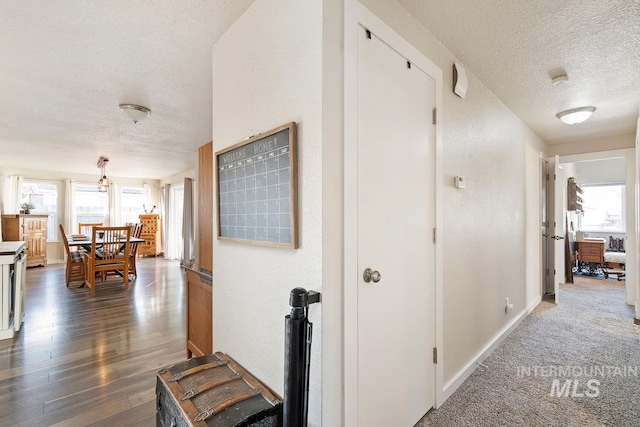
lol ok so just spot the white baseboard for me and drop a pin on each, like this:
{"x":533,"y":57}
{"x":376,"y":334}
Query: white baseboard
{"x":451,"y":386}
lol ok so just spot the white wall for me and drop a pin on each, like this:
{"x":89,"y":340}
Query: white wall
{"x":276,"y":64}
{"x":267,"y":70}
{"x":332,"y":210}
{"x":491,"y":229}
{"x":592,"y":145}
{"x":603,"y":171}
{"x":179,"y":178}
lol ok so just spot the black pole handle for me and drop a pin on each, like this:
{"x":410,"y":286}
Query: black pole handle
{"x":298,"y":331}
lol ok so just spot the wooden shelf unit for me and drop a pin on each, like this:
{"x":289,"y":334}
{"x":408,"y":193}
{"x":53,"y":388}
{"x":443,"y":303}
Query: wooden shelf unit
{"x":29,"y":228}
{"x":574,"y":197}
{"x":151,"y":234}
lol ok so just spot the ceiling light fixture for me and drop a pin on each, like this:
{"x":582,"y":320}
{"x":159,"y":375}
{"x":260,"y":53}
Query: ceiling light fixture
{"x":135,"y":112}
{"x":576,"y":115}
{"x":103,"y":182}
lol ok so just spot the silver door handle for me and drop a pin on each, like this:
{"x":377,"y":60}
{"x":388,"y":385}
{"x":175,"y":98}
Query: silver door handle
{"x":371,"y":276}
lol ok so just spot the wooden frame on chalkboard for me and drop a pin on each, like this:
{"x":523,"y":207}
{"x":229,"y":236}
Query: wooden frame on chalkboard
{"x":257,"y":189}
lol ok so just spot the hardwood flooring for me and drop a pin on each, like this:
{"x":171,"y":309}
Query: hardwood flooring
{"x":80,"y":360}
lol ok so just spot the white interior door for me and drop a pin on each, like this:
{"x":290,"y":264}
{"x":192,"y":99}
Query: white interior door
{"x":560,"y":197}
{"x":544,"y":227}
{"x":396,"y":217}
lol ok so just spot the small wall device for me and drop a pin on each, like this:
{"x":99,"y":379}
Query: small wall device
{"x":460,"y":82}
{"x":458,"y":182}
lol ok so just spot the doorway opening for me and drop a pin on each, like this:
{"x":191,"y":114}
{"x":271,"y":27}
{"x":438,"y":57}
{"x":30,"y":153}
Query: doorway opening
{"x":600,"y":220}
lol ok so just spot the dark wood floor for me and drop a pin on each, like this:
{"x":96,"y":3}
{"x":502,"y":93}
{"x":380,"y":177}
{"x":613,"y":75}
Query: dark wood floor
{"x":92,"y":361}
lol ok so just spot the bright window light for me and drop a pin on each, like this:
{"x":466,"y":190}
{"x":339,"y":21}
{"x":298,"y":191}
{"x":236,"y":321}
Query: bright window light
{"x":603,"y":208}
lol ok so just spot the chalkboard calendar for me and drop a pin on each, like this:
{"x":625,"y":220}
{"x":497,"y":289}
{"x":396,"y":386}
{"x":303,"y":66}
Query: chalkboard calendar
{"x":257,"y":189}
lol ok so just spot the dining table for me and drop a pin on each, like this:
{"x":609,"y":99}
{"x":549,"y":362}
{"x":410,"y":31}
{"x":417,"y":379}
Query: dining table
{"x":86,"y":242}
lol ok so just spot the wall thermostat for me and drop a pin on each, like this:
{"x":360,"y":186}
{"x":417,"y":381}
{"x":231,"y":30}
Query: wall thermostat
{"x":458,"y":182}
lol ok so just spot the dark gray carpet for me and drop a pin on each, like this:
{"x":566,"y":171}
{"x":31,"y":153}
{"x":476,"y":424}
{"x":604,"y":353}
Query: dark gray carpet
{"x":592,"y":333}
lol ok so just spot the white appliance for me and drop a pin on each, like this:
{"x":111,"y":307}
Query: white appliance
{"x":13,"y":266}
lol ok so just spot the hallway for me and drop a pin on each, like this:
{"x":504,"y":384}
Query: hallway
{"x":588,"y":342}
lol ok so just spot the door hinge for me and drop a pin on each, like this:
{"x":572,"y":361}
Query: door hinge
{"x":554,"y":271}
{"x":368,"y":34}
{"x":554,"y":176}
{"x":434,"y":235}
{"x":435,"y":355}
{"x":435,"y":115}
{"x":409,"y":64}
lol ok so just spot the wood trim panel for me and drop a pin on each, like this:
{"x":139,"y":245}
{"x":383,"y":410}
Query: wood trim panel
{"x":205,"y":207}
{"x":199,"y":315}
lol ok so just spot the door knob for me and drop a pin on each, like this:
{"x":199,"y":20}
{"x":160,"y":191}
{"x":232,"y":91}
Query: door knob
{"x":371,"y":276}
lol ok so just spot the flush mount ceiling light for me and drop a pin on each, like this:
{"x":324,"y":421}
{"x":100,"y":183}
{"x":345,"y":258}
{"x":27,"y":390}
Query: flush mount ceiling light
{"x":576,"y":115}
{"x":135,"y":112}
{"x":103,"y":182}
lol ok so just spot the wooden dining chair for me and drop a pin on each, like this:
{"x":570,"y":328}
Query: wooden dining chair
{"x":136,"y":231}
{"x":85,"y":227}
{"x":110,"y":254}
{"x":75,"y":264}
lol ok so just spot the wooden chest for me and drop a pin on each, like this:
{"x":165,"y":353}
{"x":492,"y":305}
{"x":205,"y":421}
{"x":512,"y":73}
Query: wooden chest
{"x":214,"y":390}
{"x":591,"y":251}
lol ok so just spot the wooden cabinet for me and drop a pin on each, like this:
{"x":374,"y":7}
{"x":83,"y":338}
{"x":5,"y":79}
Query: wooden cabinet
{"x":29,"y":228}
{"x":151,"y":228}
{"x":591,"y":250}
{"x":199,"y":310}
{"x":574,"y":197}
{"x":199,"y":279}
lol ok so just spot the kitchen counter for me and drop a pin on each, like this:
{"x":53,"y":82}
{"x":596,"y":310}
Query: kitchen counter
{"x":13,"y":260}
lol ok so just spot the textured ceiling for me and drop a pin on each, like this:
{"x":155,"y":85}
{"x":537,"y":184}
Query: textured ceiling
{"x":515,"y":46}
{"x":66,"y":66}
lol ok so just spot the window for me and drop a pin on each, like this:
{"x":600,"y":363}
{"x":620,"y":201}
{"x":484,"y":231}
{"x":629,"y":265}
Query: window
{"x":604,"y":207}
{"x":44,"y":196}
{"x":173,"y":244}
{"x":132,"y":202}
{"x":91,"y":205}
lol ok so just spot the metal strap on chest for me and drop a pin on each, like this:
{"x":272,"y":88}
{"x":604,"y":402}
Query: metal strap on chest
{"x":210,"y":412}
{"x":181,"y":375}
{"x":211,"y":384}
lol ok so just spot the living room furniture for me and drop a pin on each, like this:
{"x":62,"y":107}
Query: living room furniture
{"x":136,"y":232}
{"x":590,"y":250}
{"x":591,"y":257}
{"x":75,"y":264}
{"x":151,"y":234}
{"x":85,"y":227}
{"x":110,"y":254}
{"x":31,"y":229}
